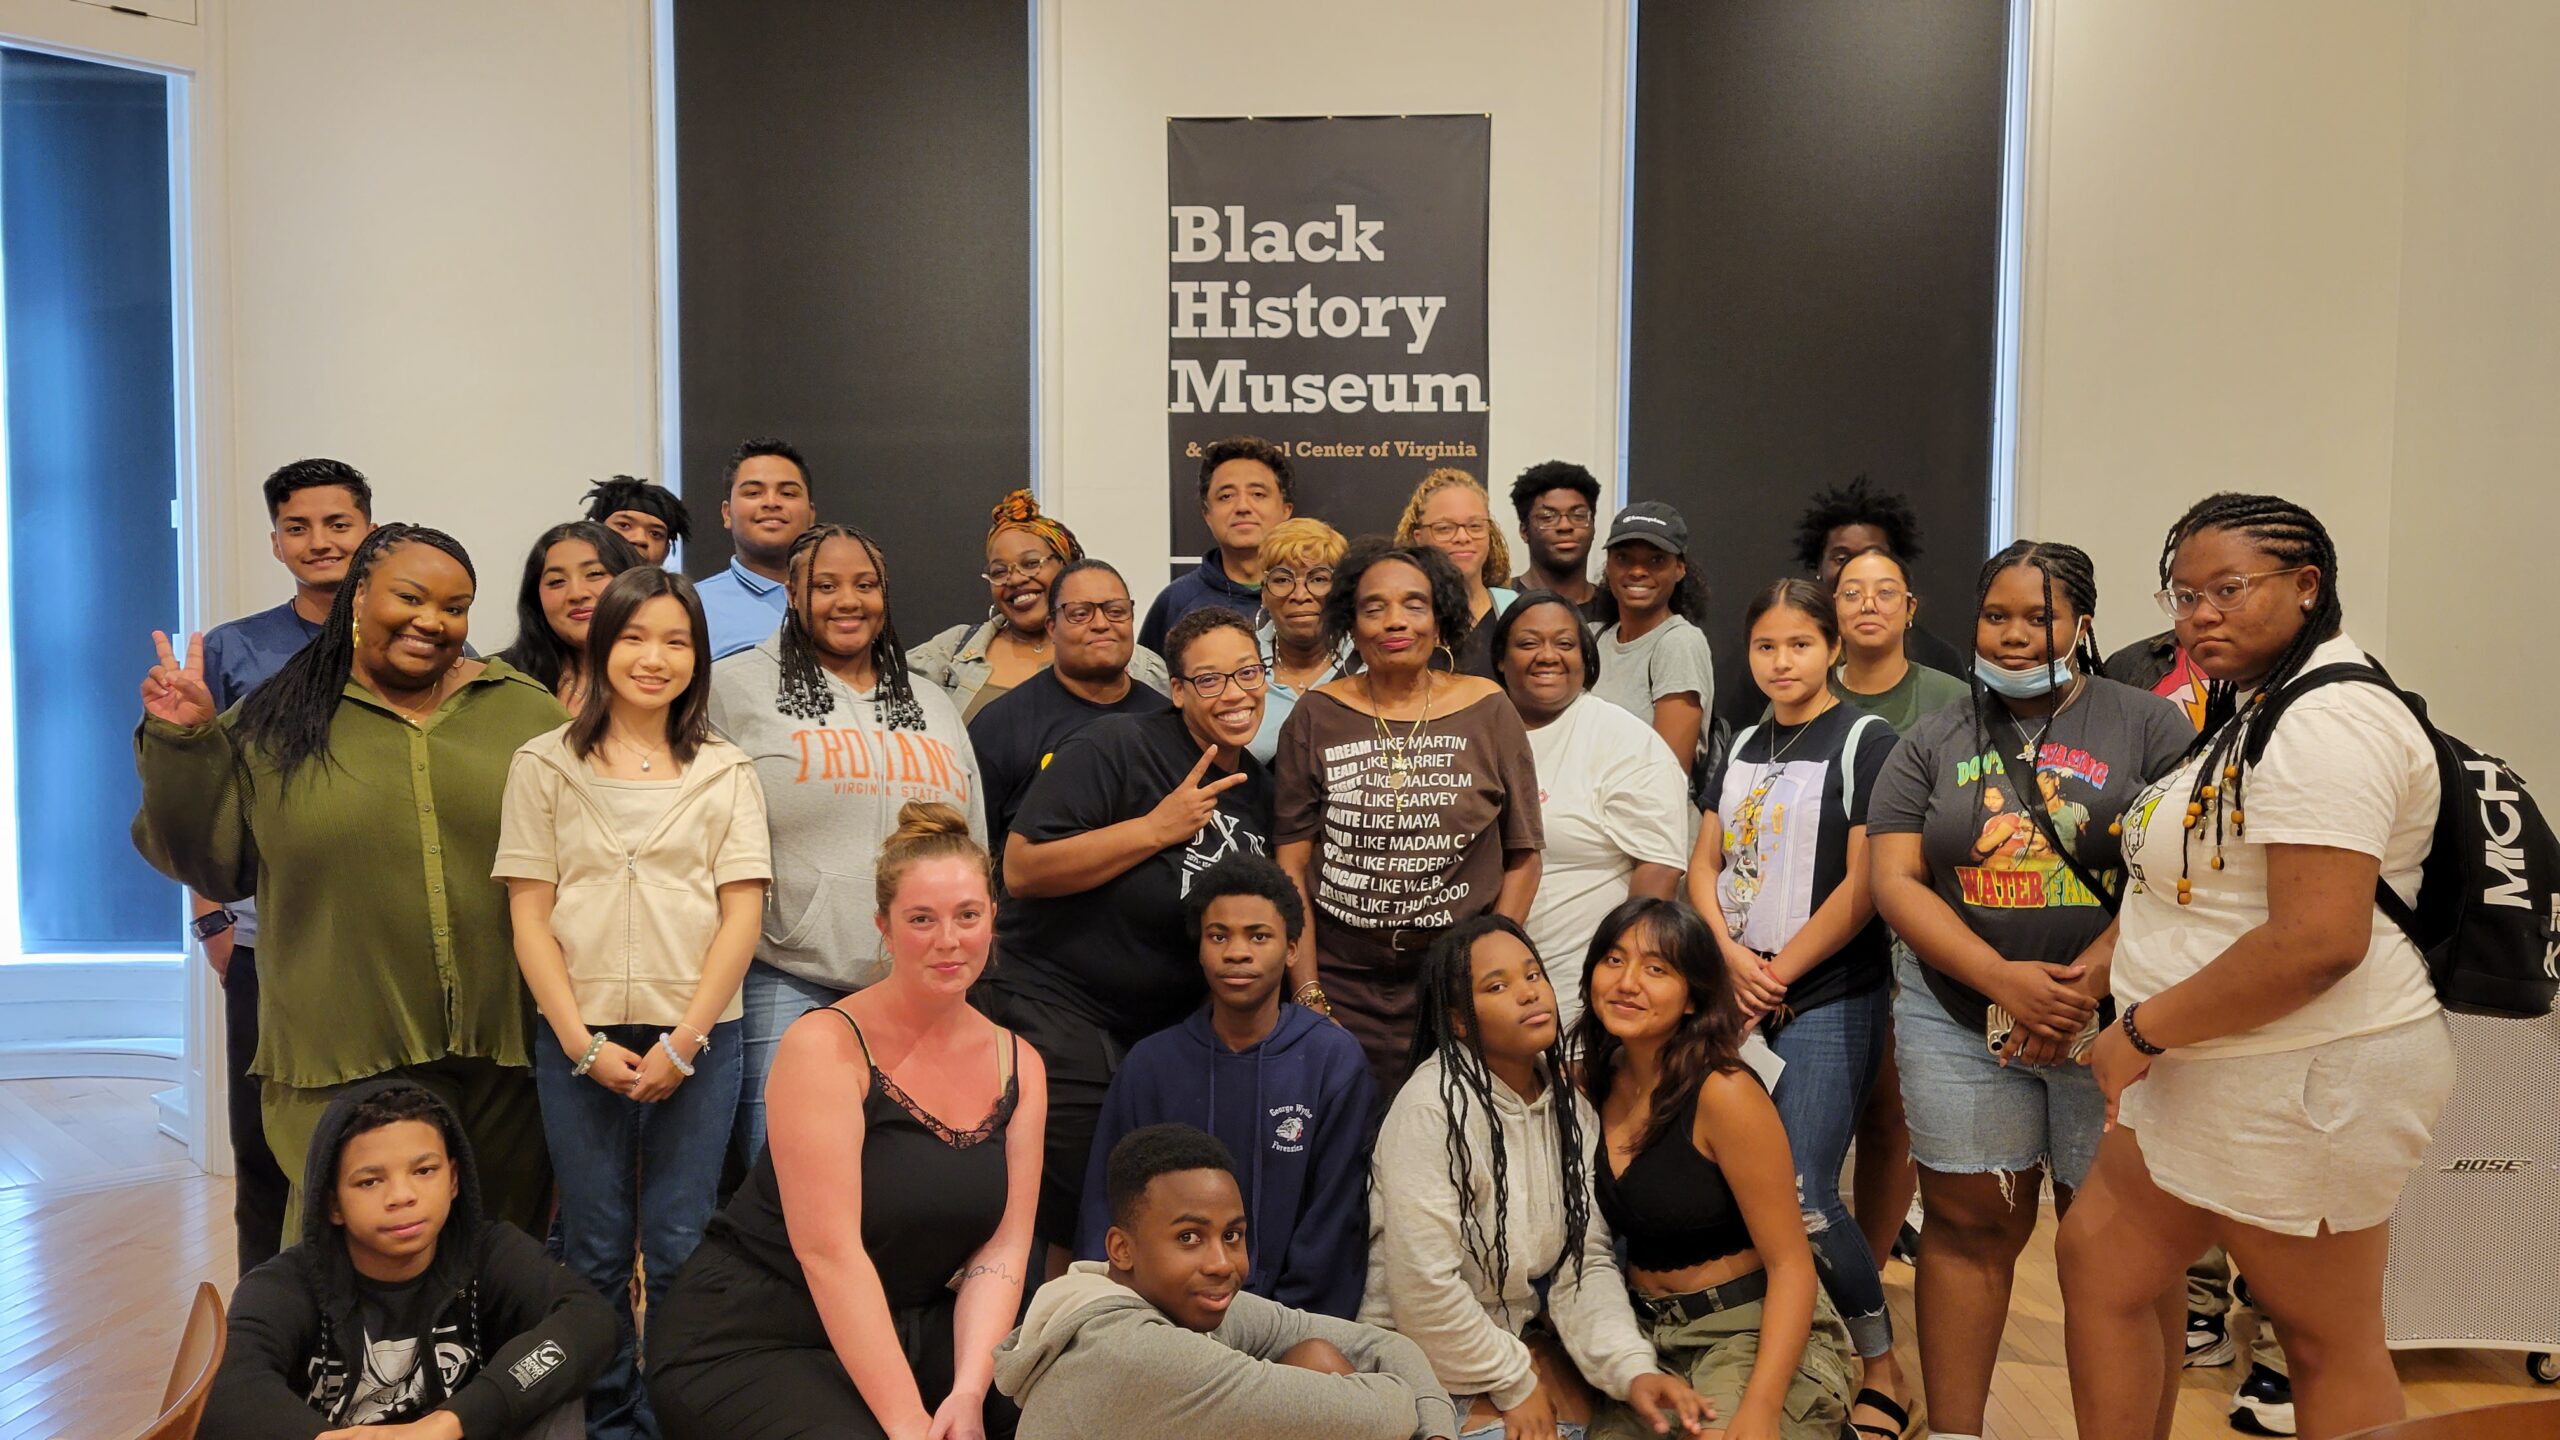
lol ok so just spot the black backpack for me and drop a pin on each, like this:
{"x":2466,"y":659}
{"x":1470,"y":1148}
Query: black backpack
{"x":2488,"y":913}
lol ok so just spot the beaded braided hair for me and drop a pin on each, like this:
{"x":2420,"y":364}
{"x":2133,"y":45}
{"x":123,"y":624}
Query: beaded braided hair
{"x":1445,"y":1026}
{"x":288,"y":715}
{"x":2062,"y":565}
{"x":804,"y":691}
{"x":2234,"y":733}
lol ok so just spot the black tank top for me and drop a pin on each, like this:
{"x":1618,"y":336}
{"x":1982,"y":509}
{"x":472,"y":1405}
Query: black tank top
{"x":931,"y":1195}
{"x":1672,"y":1204}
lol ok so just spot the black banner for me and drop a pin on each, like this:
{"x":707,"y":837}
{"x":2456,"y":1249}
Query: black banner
{"x":1328,"y":294}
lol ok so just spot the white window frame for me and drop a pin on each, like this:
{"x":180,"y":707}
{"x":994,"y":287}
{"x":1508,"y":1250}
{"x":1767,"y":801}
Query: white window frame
{"x":189,"y":54}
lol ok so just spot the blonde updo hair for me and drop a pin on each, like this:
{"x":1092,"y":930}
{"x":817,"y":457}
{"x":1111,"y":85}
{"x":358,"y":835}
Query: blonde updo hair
{"x":1495,"y":569}
{"x":1302,"y":543}
{"x":927,"y":830}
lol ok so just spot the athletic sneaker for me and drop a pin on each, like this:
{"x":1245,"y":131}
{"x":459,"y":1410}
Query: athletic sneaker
{"x":2208,"y":1341}
{"x":1906,"y":1244}
{"x":2264,"y":1404}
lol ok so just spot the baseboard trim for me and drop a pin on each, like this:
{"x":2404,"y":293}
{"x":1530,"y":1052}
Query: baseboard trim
{"x":127,"y":1059}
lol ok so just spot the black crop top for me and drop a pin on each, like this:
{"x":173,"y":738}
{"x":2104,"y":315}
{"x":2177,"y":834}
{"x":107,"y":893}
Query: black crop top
{"x":930,"y":1195}
{"x":1671,"y":1203}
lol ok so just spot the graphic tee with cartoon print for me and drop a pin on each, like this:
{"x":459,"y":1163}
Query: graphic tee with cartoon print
{"x":1117,"y":954}
{"x":1788,"y":797}
{"x":1961,"y":781}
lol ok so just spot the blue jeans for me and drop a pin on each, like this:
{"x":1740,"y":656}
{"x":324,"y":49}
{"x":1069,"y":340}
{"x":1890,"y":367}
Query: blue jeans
{"x":638,"y":1178}
{"x":773,"y":999}
{"x":1832,"y":1053}
{"x":1971,"y":1115}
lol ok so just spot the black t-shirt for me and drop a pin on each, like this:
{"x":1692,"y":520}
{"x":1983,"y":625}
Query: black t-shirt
{"x":1017,"y":732}
{"x":1117,"y":954}
{"x":1788,"y":798}
{"x":403,"y":1376}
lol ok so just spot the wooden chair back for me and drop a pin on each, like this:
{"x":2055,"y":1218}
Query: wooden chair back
{"x":191,"y":1374}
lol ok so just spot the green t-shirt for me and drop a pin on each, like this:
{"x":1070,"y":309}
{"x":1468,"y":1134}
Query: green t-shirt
{"x":1919,"y":691}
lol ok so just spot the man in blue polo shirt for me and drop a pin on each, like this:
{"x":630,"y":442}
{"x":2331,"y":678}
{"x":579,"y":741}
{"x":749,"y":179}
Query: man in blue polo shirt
{"x":1245,"y":490}
{"x":767,"y":506}
{"x":318,"y":511}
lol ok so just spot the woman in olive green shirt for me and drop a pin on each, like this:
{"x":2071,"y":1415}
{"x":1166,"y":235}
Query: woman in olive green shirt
{"x":356,"y":794}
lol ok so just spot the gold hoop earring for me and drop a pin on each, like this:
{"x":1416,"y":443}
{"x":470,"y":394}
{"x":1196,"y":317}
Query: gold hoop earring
{"x":355,"y":633}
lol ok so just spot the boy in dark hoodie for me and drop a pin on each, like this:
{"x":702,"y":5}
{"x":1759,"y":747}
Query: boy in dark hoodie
{"x":404,"y":1314}
{"x":1285,"y":1089}
{"x":1160,"y":1341}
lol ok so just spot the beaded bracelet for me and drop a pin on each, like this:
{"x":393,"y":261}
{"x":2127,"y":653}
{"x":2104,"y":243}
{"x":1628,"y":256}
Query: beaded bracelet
{"x":587,"y":1062}
{"x":2134,"y":1034}
{"x":667,"y":1042}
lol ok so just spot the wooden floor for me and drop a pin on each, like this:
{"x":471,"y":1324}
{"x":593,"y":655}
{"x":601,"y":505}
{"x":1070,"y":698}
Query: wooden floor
{"x":105,"y":1231}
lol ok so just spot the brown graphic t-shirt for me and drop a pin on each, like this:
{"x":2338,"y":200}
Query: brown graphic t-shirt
{"x":1409,"y":821}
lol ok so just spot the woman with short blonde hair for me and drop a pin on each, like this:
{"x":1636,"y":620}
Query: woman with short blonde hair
{"x":1297,"y":573}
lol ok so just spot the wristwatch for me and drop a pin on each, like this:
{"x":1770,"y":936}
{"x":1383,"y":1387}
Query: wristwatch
{"x":212,"y":923}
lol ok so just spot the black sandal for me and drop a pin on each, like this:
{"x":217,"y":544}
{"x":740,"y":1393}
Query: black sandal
{"x":1878,"y":1400}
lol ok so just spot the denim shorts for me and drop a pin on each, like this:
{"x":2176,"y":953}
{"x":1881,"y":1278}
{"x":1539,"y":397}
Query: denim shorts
{"x":1970,"y":1115}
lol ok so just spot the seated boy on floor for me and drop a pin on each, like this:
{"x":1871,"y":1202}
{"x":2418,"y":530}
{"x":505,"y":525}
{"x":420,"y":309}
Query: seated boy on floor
{"x":1285,"y":1090}
{"x":1162,"y":1338}
{"x":404,"y":1314}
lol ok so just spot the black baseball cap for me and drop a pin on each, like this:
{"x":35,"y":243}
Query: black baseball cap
{"x":1652,"y":522}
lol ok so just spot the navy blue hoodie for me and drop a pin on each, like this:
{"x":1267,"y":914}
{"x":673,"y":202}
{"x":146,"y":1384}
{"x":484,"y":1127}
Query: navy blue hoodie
{"x":1295,"y":1110}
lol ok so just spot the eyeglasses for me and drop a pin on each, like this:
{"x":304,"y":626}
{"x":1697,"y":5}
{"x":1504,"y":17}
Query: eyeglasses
{"x":1280,"y":582}
{"x":998,"y":572}
{"x":1543,"y":518}
{"x":1081,"y":612}
{"x":2222,"y":594}
{"x":1451,"y":529}
{"x":1884,"y":596}
{"x":1209,"y":684}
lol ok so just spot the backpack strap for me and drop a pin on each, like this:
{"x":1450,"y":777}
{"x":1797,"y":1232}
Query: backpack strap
{"x":1849,"y":763}
{"x":2368,"y":672}
{"x":1732,"y":755}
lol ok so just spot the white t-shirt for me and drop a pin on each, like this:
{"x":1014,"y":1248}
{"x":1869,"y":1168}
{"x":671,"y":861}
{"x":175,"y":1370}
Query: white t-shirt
{"x":1613,"y":799}
{"x":2346,"y":767}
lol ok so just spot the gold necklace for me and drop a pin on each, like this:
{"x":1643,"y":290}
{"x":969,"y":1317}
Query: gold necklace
{"x":1399,"y":759}
{"x":435,"y":696}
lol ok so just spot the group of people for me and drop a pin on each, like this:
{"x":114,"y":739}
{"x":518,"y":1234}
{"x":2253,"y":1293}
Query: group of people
{"x":1372,"y":993}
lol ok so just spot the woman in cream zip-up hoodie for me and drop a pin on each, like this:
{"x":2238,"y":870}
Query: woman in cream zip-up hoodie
{"x":634,"y":847}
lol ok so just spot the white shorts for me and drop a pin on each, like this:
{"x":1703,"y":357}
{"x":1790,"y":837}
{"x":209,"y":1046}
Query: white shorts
{"x":2297,"y":1139}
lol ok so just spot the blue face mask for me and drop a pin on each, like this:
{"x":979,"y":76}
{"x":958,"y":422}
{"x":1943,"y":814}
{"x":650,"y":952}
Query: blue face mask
{"x":2032,"y":684}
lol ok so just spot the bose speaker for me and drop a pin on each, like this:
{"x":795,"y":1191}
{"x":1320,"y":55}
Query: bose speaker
{"x":2475,"y":1247}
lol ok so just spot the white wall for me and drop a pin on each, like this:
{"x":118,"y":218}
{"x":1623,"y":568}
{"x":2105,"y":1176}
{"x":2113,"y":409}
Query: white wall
{"x":2303,"y":246}
{"x":2476,"y":455}
{"x":1113,"y":70}
{"x":2212,"y":278}
{"x":442,"y":266}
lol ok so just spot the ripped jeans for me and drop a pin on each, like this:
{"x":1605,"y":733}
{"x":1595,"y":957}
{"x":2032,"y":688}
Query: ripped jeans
{"x":1832,"y":1053}
{"x":1970,"y":1115}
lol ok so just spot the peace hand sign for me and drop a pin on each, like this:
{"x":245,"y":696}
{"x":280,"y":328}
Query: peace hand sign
{"x":176,"y":692}
{"x":1186,"y":811}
